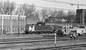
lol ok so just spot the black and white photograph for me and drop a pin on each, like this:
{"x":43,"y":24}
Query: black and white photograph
{"x":42,"y":24}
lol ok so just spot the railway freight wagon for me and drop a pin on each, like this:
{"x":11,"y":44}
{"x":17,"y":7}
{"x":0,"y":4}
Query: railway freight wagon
{"x":39,"y":28}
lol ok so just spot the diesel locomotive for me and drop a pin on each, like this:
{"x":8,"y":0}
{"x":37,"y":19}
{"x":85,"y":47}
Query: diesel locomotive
{"x":40,"y":27}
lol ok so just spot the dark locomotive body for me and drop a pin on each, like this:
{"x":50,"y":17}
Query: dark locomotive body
{"x":39,"y":28}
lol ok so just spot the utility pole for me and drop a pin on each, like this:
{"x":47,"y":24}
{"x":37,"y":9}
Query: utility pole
{"x":11,"y":23}
{"x":2,"y":19}
{"x":83,"y":17}
{"x":18,"y":25}
{"x":78,"y":6}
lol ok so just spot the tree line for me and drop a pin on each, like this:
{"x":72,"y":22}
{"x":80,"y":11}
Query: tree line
{"x":11,"y":8}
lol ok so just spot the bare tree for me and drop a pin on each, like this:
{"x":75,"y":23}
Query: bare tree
{"x":29,"y":10}
{"x":71,"y":16}
{"x":25,"y":9}
{"x":1,"y":8}
{"x":44,"y":14}
{"x":19,"y":10}
{"x":71,"y":13}
{"x":60,"y":13}
{"x":7,"y":7}
{"x":54,"y":13}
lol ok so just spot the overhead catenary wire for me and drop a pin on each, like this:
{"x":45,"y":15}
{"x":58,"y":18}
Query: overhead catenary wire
{"x":69,"y":3}
{"x":53,"y":8}
{"x":48,"y":7}
{"x":55,"y":1}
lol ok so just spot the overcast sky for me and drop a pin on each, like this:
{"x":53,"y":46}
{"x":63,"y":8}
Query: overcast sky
{"x":44,"y":3}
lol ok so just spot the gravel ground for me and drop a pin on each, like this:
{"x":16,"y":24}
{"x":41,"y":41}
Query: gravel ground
{"x":19,"y":36}
{"x":59,"y":43}
{"x":77,"y":48}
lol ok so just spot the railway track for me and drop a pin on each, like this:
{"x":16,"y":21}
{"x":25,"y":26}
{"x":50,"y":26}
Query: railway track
{"x":12,"y":43}
{"x":40,"y":38}
{"x":68,"y":47}
{"x":50,"y":45}
{"x":32,"y":40}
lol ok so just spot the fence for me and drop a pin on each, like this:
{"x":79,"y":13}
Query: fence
{"x":12,"y":23}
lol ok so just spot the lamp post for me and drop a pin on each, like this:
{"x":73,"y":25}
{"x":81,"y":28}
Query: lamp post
{"x":83,"y":17}
{"x":2,"y":19}
{"x":2,"y":24}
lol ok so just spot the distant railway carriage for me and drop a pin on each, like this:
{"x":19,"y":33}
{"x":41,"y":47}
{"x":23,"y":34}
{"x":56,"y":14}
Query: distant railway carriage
{"x":80,"y":30}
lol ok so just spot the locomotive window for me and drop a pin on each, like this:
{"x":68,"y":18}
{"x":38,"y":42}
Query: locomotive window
{"x":40,"y":23}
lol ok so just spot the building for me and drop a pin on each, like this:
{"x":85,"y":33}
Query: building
{"x":12,"y":23}
{"x":80,"y":16}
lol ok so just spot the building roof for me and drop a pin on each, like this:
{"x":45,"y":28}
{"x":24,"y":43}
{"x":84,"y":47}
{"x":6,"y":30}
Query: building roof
{"x":12,"y":16}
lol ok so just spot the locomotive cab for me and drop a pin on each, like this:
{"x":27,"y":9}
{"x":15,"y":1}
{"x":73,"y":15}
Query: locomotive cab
{"x":30,"y":28}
